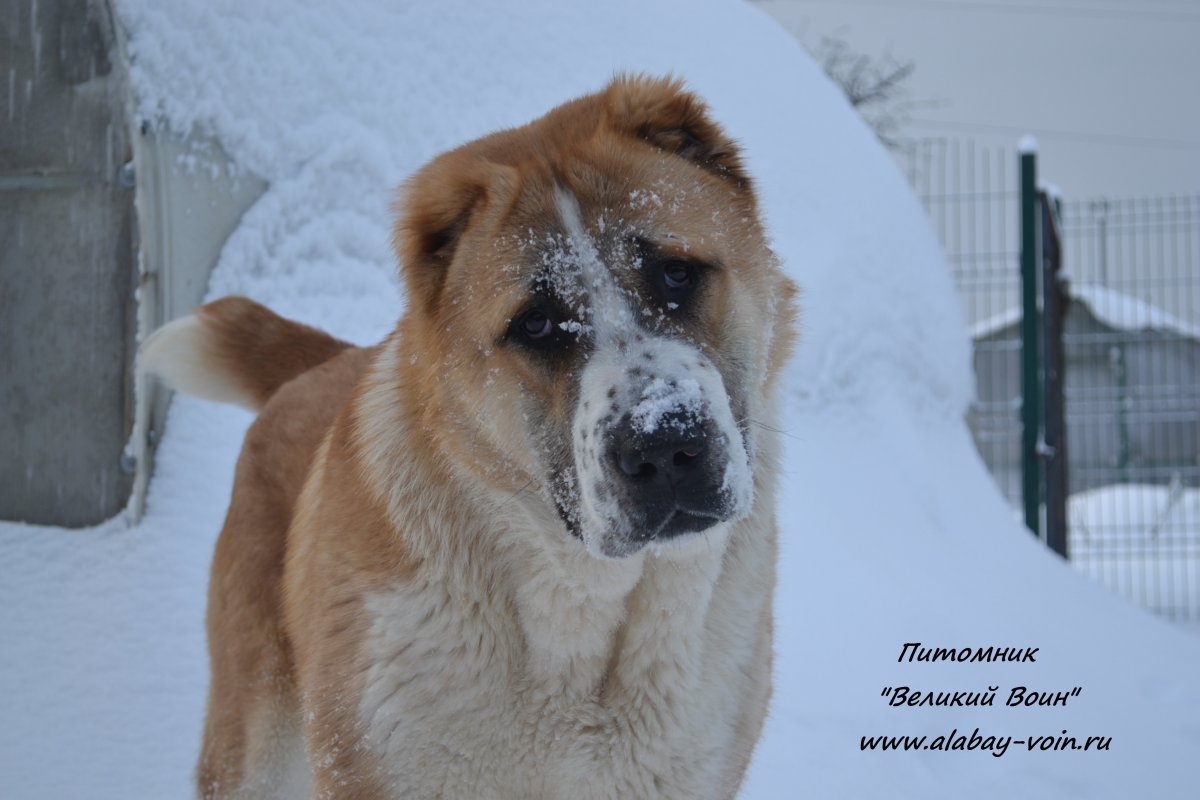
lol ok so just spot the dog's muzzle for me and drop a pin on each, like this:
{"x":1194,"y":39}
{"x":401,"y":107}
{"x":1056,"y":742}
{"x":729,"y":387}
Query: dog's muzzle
{"x":671,"y":480}
{"x":657,"y":452}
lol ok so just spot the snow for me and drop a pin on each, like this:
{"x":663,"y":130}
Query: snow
{"x":1052,"y":190}
{"x":892,"y":530}
{"x":1141,"y":542}
{"x":1027,"y":145}
{"x":1115,"y":309}
{"x":1122,"y":312}
{"x":676,"y":403}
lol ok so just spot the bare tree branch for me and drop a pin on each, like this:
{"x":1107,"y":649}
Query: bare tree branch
{"x":876,"y":87}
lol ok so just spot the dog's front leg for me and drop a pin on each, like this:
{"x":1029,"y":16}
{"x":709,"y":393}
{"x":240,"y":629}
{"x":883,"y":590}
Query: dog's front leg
{"x":653,"y":692}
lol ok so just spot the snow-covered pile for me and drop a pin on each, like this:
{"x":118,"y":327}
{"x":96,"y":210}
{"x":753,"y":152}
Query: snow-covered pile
{"x":892,"y":531}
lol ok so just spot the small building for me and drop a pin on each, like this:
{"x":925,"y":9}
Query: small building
{"x":1132,"y":394}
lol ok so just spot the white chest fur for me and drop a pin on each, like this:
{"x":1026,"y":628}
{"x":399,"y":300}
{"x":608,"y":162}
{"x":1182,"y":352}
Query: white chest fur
{"x":590,"y":679}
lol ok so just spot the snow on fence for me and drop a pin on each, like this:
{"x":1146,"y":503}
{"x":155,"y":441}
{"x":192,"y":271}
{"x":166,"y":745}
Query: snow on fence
{"x":1132,"y":349}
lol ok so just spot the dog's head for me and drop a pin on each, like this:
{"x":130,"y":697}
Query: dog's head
{"x":597,"y":314}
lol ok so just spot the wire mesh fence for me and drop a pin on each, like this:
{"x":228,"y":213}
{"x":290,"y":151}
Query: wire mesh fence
{"x":1132,"y":349}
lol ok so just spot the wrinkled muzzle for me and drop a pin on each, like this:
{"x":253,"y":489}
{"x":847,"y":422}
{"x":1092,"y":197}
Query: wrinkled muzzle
{"x":657,"y":451}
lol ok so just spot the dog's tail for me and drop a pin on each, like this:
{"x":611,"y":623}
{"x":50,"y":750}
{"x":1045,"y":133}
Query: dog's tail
{"x":234,"y":350}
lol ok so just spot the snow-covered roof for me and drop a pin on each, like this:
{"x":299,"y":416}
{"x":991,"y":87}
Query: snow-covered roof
{"x":1115,"y":309}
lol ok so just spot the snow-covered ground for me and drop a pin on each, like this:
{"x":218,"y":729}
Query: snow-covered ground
{"x":1143,"y":542}
{"x":892,"y":529}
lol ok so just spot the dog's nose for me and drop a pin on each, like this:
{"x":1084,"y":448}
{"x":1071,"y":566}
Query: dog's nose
{"x":667,"y":465}
{"x":672,"y":473}
{"x":662,"y":460}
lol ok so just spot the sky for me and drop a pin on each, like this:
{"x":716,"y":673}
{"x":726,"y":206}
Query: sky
{"x":1108,"y":87}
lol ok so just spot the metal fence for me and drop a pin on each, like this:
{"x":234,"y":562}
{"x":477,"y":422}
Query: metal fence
{"x":1132,"y":350}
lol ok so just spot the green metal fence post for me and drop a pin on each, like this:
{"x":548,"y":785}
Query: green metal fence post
{"x":1031,"y":401}
{"x":1120,"y":365}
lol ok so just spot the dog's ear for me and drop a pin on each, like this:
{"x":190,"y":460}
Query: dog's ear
{"x":434,"y":210}
{"x":661,"y":112}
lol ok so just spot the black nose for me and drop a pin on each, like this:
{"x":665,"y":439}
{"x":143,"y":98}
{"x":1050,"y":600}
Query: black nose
{"x":671,"y":477}
{"x":665,"y":465}
{"x":664,"y":460}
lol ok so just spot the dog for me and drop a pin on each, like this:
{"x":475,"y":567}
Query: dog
{"x":524,"y":547}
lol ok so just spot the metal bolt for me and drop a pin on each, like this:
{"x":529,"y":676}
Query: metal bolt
{"x":127,"y":175}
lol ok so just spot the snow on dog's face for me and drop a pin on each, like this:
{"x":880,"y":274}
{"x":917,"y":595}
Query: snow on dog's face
{"x":594,"y":312}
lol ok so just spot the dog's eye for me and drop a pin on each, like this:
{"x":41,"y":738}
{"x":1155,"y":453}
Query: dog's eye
{"x":677,"y":278}
{"x":540,"y":329}
{"x":535,"y":325}
{"x":677,"y":275}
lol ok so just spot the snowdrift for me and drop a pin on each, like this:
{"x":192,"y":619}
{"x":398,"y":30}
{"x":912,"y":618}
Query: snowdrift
{"x":893,"y":532}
